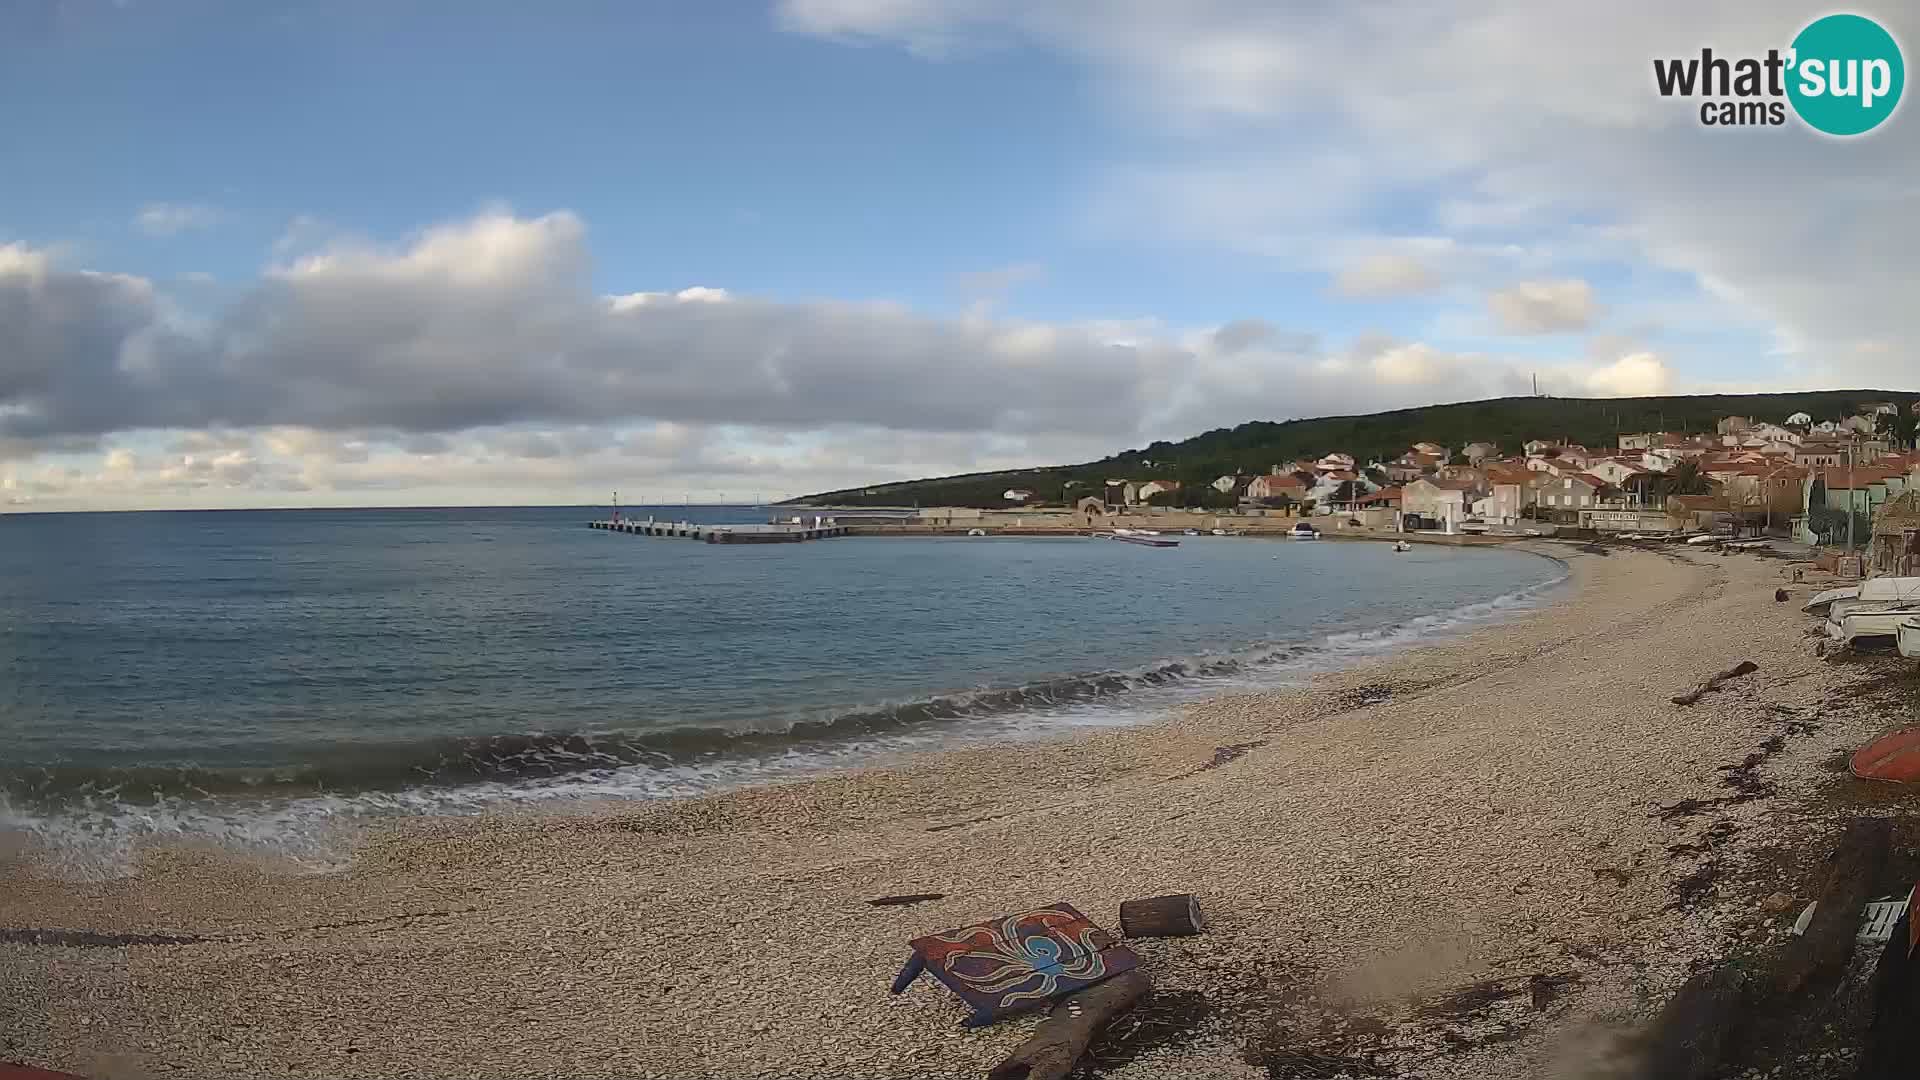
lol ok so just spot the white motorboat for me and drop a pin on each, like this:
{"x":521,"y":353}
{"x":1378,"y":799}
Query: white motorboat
{"x":1907,"y":636}
{"x":1874,"y":620}
{"x":1823,"y":600}
{"x":976,"y":532}
{"x":1143,"y":537}
{"x":1891,"y":588}
{"x":1402,"y":545}
{"x":1303,"y":531}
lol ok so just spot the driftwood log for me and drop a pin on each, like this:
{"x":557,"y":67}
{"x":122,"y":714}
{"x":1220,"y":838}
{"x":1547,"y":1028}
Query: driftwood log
{"x":1718,"y":1015}
{"x":1161,"y":916}
{"x":1056,"y":1045}
{"x":1744,"y":667}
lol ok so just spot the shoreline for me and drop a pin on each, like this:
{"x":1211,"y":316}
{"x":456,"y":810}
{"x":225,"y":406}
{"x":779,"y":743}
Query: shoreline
{"x":1482,"y":808}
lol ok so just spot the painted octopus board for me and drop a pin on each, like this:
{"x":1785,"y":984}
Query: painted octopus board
{"x":1019,"y":961}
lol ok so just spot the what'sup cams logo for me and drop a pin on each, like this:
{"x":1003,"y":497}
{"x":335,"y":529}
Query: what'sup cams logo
{"x":1842,"y":75}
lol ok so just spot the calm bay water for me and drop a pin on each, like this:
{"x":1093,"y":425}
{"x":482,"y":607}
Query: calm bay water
{"x":245,"y":675}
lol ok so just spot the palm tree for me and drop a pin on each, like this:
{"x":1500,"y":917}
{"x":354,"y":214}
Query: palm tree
{"x":1686,"y":479}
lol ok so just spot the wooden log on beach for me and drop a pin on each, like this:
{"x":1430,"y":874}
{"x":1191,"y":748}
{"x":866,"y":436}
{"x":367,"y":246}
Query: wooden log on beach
{"x":1719,"y":1014}
{"x":1744,"y":667}
{"x":1176,"y":915}
{"x":1056,"y":1045}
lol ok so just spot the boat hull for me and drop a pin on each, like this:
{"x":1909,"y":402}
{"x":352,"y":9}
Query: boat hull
{"x":1894,"y":757}
{"x":1908,"y":637}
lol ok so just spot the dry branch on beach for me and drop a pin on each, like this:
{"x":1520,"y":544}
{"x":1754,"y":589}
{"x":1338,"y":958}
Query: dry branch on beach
{"x":1744,"y":667}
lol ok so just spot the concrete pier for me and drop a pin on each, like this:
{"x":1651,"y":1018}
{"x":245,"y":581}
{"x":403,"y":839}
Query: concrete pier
{"x":723,"y":534}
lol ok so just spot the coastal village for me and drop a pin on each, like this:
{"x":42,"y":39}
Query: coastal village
{"x":1815,"y":481}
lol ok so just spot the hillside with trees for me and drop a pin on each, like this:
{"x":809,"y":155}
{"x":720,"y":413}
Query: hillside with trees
{"x":1255,"y":447}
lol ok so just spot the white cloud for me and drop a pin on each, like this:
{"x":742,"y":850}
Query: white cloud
{"x":1634,"y":375}
{"x":168,"y":219}
{"x":1558,"y":153}
{"x":476,"y":363}
{"x":1543,"y":307}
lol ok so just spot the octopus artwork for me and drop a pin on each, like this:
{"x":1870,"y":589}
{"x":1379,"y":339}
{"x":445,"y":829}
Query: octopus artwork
{"x":1017,"y":962}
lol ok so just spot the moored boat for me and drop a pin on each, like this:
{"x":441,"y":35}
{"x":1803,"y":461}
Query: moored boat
{"x":1867,"y":619}
{"x":1402,"y":545}
{"x":1823,"y":600}
{"x":1143,"y":537}
{"x":1303,"y":531}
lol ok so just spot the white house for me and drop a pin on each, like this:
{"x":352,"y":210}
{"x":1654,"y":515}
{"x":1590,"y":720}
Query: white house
{"x":1276,"y":485}
{"x":1477,"y":452}
{"x":1431,"y":450}
{"x":1335,"y":462}
{"x":1155,"y":487}
{"x":1325,"y":488}
{"x":1800,"y":419}
{"x":1617,"y":471}
{"x":1225,"y":484}
{"x":1438,"y":504}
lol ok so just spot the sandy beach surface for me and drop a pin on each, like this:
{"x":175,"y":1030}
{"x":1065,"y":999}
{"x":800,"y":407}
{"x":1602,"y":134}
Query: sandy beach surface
{"x":1483,"y":858}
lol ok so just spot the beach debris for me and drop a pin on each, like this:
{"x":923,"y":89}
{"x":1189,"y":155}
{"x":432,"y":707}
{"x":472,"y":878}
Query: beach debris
{"x":1776,"y":903}
{"x":1894,"y":757}
{"x":1175,"y":915}
{"x":1892,"y":1044}
{"x":1780,"y":596}
{"x":906,"y":898}
{"x":1053,"y":1049}
{"x":1718,"y":1015}
{"x":1017,"y":962}
{"x":1878,"y":921}
{"x":1744,"y":667}
{"x":1800,"y":924}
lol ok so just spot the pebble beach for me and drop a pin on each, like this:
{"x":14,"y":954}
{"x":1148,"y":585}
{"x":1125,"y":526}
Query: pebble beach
{"x":1491,"y":857}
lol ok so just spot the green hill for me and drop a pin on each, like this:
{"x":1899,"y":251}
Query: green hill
{"x":1253,"y":447}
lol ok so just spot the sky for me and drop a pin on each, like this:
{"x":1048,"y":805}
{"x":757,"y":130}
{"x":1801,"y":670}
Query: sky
{"x":256,"y":253}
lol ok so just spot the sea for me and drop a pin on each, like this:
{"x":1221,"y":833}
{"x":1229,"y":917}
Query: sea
{"x":276,"y":680}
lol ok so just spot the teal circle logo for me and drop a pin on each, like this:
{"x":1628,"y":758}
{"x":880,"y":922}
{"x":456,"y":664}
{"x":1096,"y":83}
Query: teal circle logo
{"x":1845,"y":74}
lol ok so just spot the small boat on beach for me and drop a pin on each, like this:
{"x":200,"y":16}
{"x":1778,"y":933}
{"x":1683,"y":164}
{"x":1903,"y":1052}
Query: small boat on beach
{"x":1824,"y":600}
{"x":1907,"y":637}
{"x":1894,"y":757}
{"x":1143,"y":537}
{"x":1850,"y":620}
{"x":1303,"y":531}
